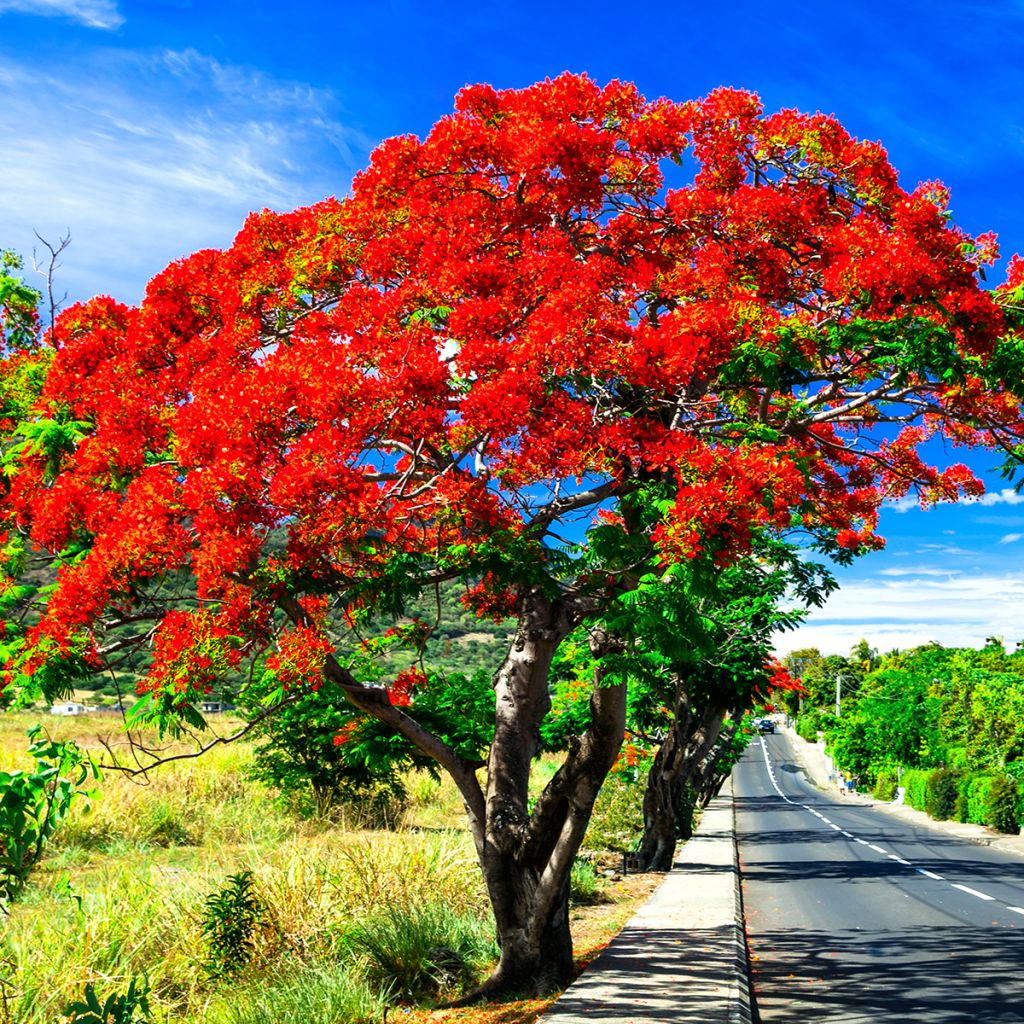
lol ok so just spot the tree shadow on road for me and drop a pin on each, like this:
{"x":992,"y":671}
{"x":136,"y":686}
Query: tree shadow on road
{"x":942,"y":975}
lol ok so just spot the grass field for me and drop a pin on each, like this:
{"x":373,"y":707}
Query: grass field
{"x":348,"y":916}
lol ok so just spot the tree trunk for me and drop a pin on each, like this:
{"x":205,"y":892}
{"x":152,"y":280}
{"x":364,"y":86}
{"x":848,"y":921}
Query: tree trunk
{"x":676,"y":767}
{"x":527,"y":857}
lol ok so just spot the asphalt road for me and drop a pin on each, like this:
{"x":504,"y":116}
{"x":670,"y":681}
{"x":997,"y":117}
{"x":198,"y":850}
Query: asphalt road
{"x":853,"y":915}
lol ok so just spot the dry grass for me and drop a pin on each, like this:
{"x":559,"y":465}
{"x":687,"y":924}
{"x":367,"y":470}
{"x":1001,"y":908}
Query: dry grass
{"x":143,"y":857}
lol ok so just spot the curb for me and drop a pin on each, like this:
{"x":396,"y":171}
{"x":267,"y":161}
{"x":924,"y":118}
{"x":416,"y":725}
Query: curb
{"x":742,"y":1010}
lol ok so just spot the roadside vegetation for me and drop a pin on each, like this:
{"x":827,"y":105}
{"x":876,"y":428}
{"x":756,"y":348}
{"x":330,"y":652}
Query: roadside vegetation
{"x":945,"y":724}
{"x":226,"y":902}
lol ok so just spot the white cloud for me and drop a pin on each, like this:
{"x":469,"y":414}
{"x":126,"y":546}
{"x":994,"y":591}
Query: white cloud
{"x":907,"y":612}
{"x":93,"y":13}
{"x":1006,"y":496}
{"x":148,"y":158}
{"x":1010,"y":538}
{"x":919,"y":571}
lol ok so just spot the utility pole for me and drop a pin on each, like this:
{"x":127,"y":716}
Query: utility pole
{"x":838,"y":688}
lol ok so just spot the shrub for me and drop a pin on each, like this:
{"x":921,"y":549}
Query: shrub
{"x":115,"y":1009}
{"x":915,"y":780}
{"x":885,"y":785}
{"x":941,"y":791}
{"x":807,"y":728}
{"x":231,"y":919}
{"x":33,"y":803}
{"x":584,"y":882}
{"x":421,"y":950}
{"x":973,"y":799}
{"x":1002,"y":805}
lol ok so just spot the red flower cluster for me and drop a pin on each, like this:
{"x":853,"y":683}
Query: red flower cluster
{"x":501,"y":319}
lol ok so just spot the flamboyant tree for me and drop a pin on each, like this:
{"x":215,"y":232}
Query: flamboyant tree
{"x":512,"y":355}
{"x":708,"y":686}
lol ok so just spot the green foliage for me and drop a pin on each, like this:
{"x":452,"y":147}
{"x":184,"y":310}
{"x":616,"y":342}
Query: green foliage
{"x":421,"y":950}
{"x":1003,"y":805}
{"x":972,"y":800}
{"x":34,"y":802}
{"x":885,"y":785}
{"x":324,"y":994}
{"x":318,"y":743}
{"x":848,"y":739}
{"x":19,"y":302}
{"x":807,"y":727}
{"x":941,"y":791}
{"x":915,"y":782}
{"x":584,"y":882}
{"x":131,"y":1007}
{"x":231,"y":919}
{"x":298,"y":754}
{"x":617,"y":821}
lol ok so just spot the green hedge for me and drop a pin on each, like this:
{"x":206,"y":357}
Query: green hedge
{"x":1004,"y":805}
{"x":941,"y":792}
{"x":807,"y":728}
{"x":885,"y":785}
{"x":972,"y":803}
{"x":915,"y":780}
{"x":983,"y":798}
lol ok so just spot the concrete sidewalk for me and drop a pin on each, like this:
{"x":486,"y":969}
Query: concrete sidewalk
{"x":817,"y":766}
{"x":682,"y":957}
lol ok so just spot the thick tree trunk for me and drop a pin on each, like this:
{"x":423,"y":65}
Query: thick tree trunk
{"x":527,"y":857}
{"x":667,"y":805}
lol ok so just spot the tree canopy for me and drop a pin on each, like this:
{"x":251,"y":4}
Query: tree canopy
{"x":566,"y":343}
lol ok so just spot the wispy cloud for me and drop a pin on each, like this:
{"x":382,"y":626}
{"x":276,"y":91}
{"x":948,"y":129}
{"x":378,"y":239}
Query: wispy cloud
{"x":93,"y":13}
{"x":1010,"y":538}
{"x":146,"y":158}
{"x":944,"y":549}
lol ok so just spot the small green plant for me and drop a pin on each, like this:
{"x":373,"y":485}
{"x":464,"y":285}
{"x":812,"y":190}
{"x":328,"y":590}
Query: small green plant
{"x":34,"y":802}
{"x":423,"y":950}
{"x":231,"y":919}
{"x":132,"y":1007}
{"x":584,"y":882}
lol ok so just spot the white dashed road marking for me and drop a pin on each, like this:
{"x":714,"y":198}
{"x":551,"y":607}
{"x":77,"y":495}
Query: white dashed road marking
{"x":972,"y":892}
{"x":878,"y":849}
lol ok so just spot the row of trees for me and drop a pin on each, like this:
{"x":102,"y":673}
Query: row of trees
{"x":947,"y":723}
{"x":515,"y":358}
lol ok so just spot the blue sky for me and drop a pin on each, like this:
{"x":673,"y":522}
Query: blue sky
{"x":151,"y":129}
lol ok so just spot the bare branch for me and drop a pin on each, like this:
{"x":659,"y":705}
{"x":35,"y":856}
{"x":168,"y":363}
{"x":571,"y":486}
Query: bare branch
{"x":50,"y":270}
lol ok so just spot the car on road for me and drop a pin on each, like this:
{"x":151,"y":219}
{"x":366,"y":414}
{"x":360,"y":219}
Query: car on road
{"x":765,"y":725}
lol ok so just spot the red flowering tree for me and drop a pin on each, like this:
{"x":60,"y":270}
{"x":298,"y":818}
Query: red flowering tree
{"x":514,"y":356}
